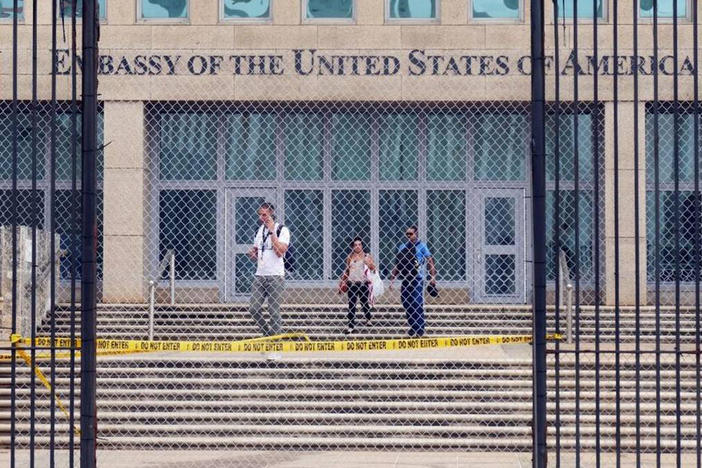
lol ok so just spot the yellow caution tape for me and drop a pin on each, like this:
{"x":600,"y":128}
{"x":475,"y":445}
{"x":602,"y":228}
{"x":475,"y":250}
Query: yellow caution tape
{"x":273,"y":344}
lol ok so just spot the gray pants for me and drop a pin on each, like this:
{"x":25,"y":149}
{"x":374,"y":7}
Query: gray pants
{"x":270,"y":287}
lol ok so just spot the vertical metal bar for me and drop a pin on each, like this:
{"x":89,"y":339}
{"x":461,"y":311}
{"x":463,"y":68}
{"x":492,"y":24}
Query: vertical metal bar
{"x":657,"y":231}
{"x":596,"y":231}
{"x":34,"y":208}
{"x":617,"y":370}
{"x":52,"y":240}
{"x":13,"y":366}
{"x":171,"y":276}
{"x":676,"y":217}
{"x":557,"y":235}
{"x":637,"y":234}
{"x":698,"y":219}
{"x":88,"y":413}
{"x":576,"y":226}
{"x":75,"y":229}
{"x":538,"y":150}
{"x":152,"y":299}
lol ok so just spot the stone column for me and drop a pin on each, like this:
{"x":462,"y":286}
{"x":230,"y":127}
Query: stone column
{"x":123,"y":274}
{"x":627,"y":239}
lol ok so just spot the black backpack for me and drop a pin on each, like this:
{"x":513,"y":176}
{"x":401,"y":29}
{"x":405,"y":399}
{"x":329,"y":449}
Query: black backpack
{"x":289,"y":257}
{"x":406,"y":262}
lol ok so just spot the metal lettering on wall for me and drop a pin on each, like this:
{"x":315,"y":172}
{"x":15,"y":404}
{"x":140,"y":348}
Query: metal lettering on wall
{"x":417,"y":62}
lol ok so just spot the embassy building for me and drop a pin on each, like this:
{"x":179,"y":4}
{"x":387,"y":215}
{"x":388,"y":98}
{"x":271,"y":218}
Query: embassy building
{"x":361,"y":118}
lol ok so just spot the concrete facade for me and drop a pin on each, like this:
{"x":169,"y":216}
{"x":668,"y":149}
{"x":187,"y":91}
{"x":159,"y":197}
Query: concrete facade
{"x":197,"y":76}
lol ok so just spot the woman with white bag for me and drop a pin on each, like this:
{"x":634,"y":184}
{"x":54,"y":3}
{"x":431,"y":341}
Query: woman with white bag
{"x":356,"y":281}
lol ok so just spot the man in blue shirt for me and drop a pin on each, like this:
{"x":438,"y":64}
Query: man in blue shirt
{"x":412,"y":289}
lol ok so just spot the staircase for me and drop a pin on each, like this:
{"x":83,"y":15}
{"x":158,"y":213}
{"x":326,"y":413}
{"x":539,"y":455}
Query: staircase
{"x":459,"y":400}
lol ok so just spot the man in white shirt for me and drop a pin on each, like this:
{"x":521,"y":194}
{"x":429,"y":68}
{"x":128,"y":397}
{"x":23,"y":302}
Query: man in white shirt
{"x":268,"y":250}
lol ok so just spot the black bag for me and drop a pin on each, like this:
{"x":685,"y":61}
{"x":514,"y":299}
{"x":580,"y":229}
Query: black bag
{"x":289,"y":257}
{"x":406,"y":263}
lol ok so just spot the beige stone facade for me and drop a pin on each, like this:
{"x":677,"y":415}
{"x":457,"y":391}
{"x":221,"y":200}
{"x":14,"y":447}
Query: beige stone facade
{"x":203,"y":69}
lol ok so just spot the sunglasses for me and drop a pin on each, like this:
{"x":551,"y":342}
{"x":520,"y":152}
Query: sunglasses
{"x":409,"y":233}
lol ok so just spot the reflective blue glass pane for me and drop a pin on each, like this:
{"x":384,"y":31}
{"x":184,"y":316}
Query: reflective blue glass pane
{"x":499,"y":221}
{"x":187,"y":146}
{"x":446,"y":232}
{"x":567,"y":230}
{"x":446,"y":158}
{"x":329,"y":9}
{"x":246,"y":8}
{"x":351,"y":146}
{"x":412,"y":9}
{"x":246,"y":218}
{"x":666,"y":147}
{"x":64,"y":154}
{"x":665,"y":8}
{"x":244,"y":270}
{"x":303,"y":146}
{"x":7,"y":10}
{"x":350,"y":218}
{"x":188,"y":225}
{"x":500,"y":146}
{"x":399,"y":146}
{"x":566,"y":143}
{"x":70,"y":233}
{"x":24,"y":145}
{"x":397,"y":211}
{"x":585,"y":9}
{"x":250,"y":146}
{"x":164,"y":9}
{"x":65,"y":7}
{"x":304,"y":215}
{"x":502,"y":9}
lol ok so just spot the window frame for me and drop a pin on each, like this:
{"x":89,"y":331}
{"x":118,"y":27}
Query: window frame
{"x":305,"y":20}
{"x":687,"y":17}
{"x":436,"y":19}
{"x":266,"y":20}
{"x":519,"y":19}
{"x":140,"y":19}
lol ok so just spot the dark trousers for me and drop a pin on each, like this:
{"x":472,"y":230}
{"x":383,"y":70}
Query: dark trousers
{"x":412,"y":296}
{"x":358,"y":292}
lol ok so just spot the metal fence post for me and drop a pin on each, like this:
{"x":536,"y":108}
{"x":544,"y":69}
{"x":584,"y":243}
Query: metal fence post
{"x":538,"y":150}
{"x":88,"y":405}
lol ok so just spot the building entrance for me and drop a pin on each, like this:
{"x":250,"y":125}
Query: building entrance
{"x":499,"y":242}
{"x":241,"y":225}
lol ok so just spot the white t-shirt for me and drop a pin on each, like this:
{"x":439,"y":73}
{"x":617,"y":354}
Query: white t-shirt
{"x":269,"y":263}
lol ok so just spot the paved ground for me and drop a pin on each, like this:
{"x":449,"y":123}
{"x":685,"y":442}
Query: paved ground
{"x":222,"y":459}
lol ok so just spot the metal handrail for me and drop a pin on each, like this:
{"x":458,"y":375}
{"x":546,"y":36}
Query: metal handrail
{"x":567,"y":286}
{"x":168,"y":261}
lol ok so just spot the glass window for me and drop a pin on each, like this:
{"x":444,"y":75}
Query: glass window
{"x":397,"y":211}
{"x":188,"y":146}
{"x":66,"y":9}
{"x":304,"y":215}
{"x":303,"y":146}
{"x":65,"y":207}
{"x":350,"y":218}
{"x":251,"y":146}
{"x":24,"y":145}
{"x":666,"y":153}
{"x":164,"y":9}
{"x":447,"y":240}
{"x":7,"y":10}
{"x":399,"y":146}
{"x":329,"y":9}
{"x":64,"y":156}
{"x":566,"y":144}
{"x":27,"y":215}
{"x":665,"y":8}
{"x":188,"y":225}
{"x":567,"y":232}
{"x":496,"y":9}
{"x":238,"y":9}
{"x":351,"y":146}
{"x":500,"y":146}
{"x":585,"y":9}
{"x":446,"y":159}
{"x":421,"y":9}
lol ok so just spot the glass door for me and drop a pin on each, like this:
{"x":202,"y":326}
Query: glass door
{"x":499,"y":242}
{"x":241,"y":226}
